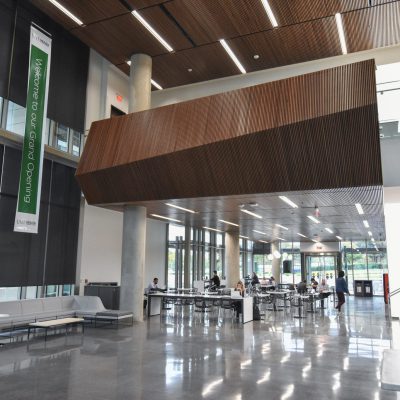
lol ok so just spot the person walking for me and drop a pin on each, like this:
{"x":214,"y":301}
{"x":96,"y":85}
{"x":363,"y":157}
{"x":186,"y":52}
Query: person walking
{"x":341,"y":289}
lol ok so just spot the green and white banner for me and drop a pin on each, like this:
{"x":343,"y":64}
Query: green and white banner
{"x":30,"y":181}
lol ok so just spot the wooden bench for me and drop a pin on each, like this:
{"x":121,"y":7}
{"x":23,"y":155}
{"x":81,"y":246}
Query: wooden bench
{"x":56,"y":323}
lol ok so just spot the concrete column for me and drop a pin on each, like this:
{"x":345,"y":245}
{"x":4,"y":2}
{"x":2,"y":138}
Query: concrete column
{"x":140,"y":83}
{"x":276,"y":263}
{"x":232,"y":254}
{"x":186,"y":261}
{"x":133,"y":258}
{"x":391,"y":204}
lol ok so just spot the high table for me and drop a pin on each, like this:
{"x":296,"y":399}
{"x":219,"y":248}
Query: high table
{"x":277,"y":294}
{"x":155,"y":301}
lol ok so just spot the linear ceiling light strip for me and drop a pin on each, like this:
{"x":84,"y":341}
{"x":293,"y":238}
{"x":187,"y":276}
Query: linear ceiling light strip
{"x":152,"y":30}
{"x":232,"y":56}
{"x":66,"y":12}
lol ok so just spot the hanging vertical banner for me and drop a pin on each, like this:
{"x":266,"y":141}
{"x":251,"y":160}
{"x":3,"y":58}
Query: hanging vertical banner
{"x":30,"y":180}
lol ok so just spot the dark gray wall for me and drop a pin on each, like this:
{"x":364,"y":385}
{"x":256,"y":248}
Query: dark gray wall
{"x":69,"y":63}
{"x":48,"y":257}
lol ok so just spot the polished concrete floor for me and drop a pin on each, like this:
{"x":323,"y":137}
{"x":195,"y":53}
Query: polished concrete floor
{"x":320,"y":357}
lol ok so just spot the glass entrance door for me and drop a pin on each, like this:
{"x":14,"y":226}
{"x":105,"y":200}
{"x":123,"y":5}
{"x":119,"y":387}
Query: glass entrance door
{"x":321,"y":266}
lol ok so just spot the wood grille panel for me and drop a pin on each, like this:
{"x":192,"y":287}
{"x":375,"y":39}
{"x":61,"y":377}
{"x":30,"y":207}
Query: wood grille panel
{"x":310,"y":132}
{"x":228,"y":115}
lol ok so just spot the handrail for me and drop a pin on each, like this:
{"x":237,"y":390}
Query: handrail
{"x":397,"y":291}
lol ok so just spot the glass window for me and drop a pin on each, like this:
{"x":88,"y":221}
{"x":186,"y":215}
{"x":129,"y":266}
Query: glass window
{"x":31,"y":292}
{"x":16,"y":118}
{"x":62,"y":135}
{"x":76,"y":143}
{"x":262,"y":265}
{"x":207,"y":236}
{"x":171,"y":273}
{"x":51,"y":290}
{"x":67,"y":290}
{"x":10,"y":293}
{"x":220,"y":239}
{"x":175,"y":231}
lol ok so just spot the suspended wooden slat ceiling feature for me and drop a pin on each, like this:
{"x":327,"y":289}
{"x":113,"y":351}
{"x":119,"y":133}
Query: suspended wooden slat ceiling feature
{"x":311,"y":132}
{"x":306,"y":31}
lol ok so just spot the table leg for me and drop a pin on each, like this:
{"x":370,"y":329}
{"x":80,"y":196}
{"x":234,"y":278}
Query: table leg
{"x":148,"y":305}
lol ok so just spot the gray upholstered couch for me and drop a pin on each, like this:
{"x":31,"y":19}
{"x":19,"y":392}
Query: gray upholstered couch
{"x":19,"y":313}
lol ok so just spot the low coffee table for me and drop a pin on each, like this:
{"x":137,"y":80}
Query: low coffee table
{"x":56,"y":323}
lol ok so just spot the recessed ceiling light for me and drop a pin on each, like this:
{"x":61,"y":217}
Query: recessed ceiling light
{"x":169,"y":219}
{"x":340,"y":238}
{"x":372,"y":240}
{"x":359,"y":208}
{"x":66,"y":12}
{"x":256,"y":56}
{"x":180,"y":208}
{"x":212,"y":229}
{"x":339,"y":25}
{"x":329,"y":230}
{"x":232,"y":56}
{"x":300,"y":234}
{"x":243,"y":237}
{"x":313,"y":219}
{"x":227,"y":222}
{"x":251,"y":213}
{"x":269,"y":12}
{"x":366,"y":224}
{"x":263,"y":241}
{"x":288,"y":201}
{"x":152,"y":30}
{"x":369,"y":233}
{"x":261,"y":233}
{"x":190,"y":69}
{"x":281,"y":238}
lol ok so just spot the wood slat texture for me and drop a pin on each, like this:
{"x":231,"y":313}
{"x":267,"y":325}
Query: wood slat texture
{"x":314,"y":131}
{"x":88,"y":11}
{"x":306,"y":31}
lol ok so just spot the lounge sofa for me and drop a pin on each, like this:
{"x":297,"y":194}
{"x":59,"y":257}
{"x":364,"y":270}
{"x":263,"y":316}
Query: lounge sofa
{"x":19,"y":313}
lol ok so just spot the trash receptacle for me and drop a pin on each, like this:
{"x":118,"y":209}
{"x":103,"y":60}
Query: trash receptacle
{"x":358,"y":288}
{"x":363,"y":288}
{"x":367,"y":288}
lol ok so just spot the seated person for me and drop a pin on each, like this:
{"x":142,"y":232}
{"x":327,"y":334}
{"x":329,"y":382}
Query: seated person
{"x":214,"y":281}
{"x":272,"y":282}
{"x":264,"y":281}
{"x":237,"y":305}
{"x":153,"y":287}
{"x":314,"y":283}
{"x":254,"y":279}
{"x":324,"y":291}
{"x":302,"y":287}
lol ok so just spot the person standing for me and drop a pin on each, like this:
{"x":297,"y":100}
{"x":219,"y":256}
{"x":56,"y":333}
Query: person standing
{"x":323,"y":289}
{"x":254,"y":279}
{"x":341,"y":289}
